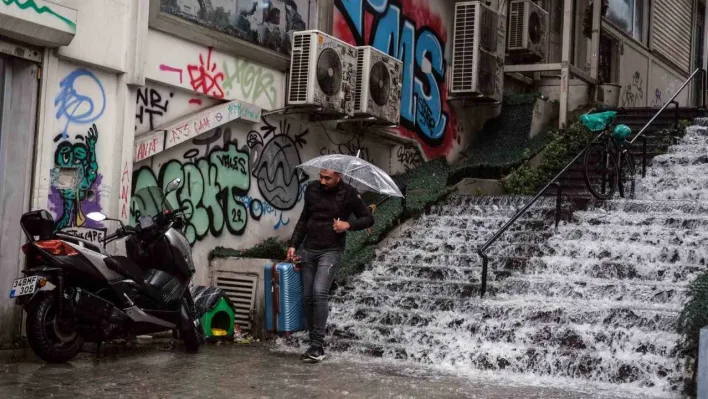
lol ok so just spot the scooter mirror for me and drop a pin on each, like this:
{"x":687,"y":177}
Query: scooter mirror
{"x":96,"y":216}
{"x":173,"y":185}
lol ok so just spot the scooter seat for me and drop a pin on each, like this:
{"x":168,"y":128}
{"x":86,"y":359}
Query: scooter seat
{"x":126,"y":267}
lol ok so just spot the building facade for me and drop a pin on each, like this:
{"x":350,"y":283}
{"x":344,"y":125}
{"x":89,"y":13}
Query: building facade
{"x":101,"y":98}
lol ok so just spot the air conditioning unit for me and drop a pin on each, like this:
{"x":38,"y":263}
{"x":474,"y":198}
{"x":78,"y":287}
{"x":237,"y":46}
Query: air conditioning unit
{"x":322,"y":72}
{"x":475,"y":67}
{"x":378,"y":85}
{"x":528,"y":29}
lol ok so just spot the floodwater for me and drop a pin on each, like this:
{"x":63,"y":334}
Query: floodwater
{"x":237,"y":371}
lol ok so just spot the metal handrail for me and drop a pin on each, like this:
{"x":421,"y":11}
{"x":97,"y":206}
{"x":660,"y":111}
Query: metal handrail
{"x":482,"y":250}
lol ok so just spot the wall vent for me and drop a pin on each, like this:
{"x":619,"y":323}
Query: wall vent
{"x":241,"y":289}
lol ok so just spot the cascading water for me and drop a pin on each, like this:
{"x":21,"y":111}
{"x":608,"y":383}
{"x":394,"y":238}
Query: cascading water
{"x":592,"y":305}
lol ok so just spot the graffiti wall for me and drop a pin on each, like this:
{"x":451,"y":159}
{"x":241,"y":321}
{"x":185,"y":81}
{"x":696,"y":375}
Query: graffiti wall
{"x":154,"y":107}
{"x":416,"y":32}
{"x":240,"y":180}
{"x":210,"y":73}
{"x":82,"y":118}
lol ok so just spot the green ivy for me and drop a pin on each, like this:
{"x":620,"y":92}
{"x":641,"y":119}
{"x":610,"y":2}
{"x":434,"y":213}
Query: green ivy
{"x":271,"y":248}
{"x":503,"y":142}
{"x":694,"y":315}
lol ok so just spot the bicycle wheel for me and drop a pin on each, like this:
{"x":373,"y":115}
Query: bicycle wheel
{"x":601,"y":171}
{"x":627,"y":172}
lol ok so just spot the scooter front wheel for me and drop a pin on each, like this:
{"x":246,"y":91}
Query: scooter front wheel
{"x":50,"y":338}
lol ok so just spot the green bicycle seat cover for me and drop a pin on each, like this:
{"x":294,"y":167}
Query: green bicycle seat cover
{"x":598,"y":121}
{"x":621,"y":132}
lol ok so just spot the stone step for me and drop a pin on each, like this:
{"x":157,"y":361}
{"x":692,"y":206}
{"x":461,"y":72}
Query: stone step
{"x":492,"y":332}
{"x":491,"y":223}
{"x":445,"y":288}
{"x":522,"y":311}
{"x":466,"y":235}
{"x":617,"y":218}
{"x":454,"y":246}
{"x":632,"y":268}
{"x":585,"y":365}
{"x":441,"y":252}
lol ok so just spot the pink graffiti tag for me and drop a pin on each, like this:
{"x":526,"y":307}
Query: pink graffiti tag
{"x":166,"y":68}
{"x":204,"y":79}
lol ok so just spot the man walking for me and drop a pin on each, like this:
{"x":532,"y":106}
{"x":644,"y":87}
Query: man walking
{"x":323,"y":226}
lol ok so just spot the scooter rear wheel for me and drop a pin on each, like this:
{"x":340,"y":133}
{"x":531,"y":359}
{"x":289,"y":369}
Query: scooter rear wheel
{"x":191,"y":329}
{"x":48,"y":337}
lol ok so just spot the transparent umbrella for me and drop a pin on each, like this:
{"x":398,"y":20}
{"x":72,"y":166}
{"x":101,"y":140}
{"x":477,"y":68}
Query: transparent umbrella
{"x":356,"y":172}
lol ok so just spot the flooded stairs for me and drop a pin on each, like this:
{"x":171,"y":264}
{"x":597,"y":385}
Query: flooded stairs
{"x":591,"y":305}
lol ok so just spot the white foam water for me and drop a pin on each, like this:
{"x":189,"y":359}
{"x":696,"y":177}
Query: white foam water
{"x":591,"y":306}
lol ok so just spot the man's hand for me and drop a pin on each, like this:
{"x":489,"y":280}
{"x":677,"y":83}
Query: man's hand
{"x":291,"y":253}
{"x":340,"y":226}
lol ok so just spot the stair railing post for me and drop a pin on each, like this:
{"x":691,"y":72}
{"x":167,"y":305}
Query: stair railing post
{"x":644,"y":157}
{"x":676,"y":114}
{"x":559,"y":200}
{"x":485,"y":263}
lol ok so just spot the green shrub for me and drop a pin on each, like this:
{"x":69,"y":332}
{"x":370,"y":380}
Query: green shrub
{"x":503,"y":142}
{"x":271,"y":248}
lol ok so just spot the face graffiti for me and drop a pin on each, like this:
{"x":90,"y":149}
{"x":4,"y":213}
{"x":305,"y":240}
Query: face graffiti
{"x":413,"y":34}
{"x":275,"y":165}
{"x":76,"y":163}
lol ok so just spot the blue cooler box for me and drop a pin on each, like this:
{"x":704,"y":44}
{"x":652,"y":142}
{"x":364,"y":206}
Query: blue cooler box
{"x":284,"y":309}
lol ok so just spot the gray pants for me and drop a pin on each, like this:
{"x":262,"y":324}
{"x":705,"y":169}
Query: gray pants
{"x":318,"y":271}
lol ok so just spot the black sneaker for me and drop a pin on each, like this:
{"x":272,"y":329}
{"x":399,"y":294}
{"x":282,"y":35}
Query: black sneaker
{"x":313,"y":355}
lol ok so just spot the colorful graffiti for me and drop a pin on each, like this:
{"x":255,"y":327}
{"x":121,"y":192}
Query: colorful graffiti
{"x":253,"y":80}
{"x":32,"y":5}
{"x":413,"y":33}
{"x":213,"y":185}
{"x":75,"y":182}
{"x":204,"y":77}
{"x":275,"y":161}
{"x":75,"y":102}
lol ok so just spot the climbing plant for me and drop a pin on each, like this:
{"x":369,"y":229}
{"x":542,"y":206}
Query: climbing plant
{"x":503,"y":141}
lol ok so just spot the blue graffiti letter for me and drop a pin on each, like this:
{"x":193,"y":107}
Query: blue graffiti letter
{"x":429,"y":58}
{"x":76,"y":107}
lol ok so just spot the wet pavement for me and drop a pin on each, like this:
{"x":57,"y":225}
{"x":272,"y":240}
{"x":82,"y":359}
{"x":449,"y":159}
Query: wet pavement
{"x":235,"y":371}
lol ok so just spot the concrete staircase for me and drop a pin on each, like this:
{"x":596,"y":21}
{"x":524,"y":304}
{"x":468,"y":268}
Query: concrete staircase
{"x":591,"y":306}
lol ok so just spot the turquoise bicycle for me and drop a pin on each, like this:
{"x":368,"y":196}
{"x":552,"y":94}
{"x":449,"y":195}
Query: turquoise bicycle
{"x":608,"y":163}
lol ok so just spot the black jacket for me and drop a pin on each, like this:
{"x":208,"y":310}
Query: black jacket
{"x":319,"y":211}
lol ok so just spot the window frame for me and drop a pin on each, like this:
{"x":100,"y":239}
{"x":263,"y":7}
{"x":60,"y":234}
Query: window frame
{"x":646,"y":18}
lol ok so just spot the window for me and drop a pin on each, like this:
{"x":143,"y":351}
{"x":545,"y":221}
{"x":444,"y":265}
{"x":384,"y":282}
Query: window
{"x":628,"y":16}
{"x":266,"y":23}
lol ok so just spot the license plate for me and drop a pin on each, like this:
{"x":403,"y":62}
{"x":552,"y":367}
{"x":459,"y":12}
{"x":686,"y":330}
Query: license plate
{"x":24,"y":286}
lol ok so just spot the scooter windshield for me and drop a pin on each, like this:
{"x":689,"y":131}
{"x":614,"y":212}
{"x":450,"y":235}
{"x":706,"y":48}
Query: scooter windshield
{"x":149,"y":201}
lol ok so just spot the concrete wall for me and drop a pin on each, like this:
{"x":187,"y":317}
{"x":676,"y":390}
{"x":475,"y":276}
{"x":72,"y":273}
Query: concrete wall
{"x":239,"y":204}
{"x":646,"y":81}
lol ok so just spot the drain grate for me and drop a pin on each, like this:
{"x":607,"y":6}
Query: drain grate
{"x":241,"y":289}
